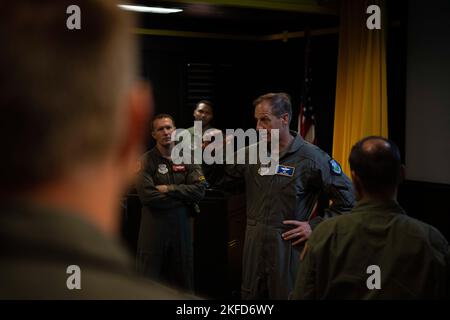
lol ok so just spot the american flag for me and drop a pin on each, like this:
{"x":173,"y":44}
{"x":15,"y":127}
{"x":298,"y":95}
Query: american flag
{"x":306,"y":119}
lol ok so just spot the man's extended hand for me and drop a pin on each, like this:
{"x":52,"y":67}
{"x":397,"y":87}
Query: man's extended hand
{"x":302,"y":231}
{"x":162,"y":188}
{"x":209,"y":135}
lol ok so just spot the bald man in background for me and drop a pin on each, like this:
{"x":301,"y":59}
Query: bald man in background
{"x":376,"y":251}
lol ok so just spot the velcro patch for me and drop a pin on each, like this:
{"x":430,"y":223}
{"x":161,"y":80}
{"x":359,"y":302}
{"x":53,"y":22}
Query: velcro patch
{"x":285,"y":170}
{"x":335,"y":168}
{"x":179,"y":168}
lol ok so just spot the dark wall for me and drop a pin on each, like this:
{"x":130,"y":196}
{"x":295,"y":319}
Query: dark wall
{"x":427,"y":202}
{"x":427,"y":92}
{"x":396,"y":48}
{"x":422,"y":200}
{"x":243,"y":70}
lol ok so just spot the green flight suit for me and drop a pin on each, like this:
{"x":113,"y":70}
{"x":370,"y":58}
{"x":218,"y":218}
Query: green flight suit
{"x":38,"y":245}
{"x":269,"y":262}
{"x":413,"y":257}
{"x":165,"y":244}
{"x":213,"y":173}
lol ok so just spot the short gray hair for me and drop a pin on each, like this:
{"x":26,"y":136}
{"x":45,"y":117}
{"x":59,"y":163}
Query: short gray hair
{"x":280,"y":102}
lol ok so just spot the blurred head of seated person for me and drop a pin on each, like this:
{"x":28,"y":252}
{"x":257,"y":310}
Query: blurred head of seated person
{"x":377,"y":251}
{"x":72,"y":118}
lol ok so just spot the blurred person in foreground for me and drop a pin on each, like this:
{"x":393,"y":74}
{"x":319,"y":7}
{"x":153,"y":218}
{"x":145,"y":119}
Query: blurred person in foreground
{"x":376,"y":251}
{"x":72,"y":121}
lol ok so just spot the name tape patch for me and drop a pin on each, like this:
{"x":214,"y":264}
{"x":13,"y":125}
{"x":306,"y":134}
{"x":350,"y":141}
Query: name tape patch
{"x":285,"y":170}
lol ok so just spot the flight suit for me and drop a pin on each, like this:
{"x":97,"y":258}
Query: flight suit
{"x":269,"y":262}
{"x":39,"y":244}
{"x":213,"y":172}
{"x":165,"y":244}
{"x":412,"y":257}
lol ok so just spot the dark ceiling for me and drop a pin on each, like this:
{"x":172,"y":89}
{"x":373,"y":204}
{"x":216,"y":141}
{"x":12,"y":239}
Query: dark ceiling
{"x":261,"y":17}
{"x":248,"y":19}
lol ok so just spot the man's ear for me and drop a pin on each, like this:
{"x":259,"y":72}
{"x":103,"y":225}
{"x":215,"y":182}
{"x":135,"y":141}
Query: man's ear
{"x":356,"y":184}
{"x":285,"y":119}
{"x":353,"y":175}
{"x":137,"y":115}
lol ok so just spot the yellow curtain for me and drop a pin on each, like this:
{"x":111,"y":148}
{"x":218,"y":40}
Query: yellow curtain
{"x":361,"y":98}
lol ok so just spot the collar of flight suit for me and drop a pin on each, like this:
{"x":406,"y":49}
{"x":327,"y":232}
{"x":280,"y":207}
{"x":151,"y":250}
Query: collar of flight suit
{"x":156,"y":152}
{"x":295,"y":145}
{"x":377,"y":206}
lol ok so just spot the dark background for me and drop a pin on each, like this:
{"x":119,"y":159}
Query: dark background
{"x":238,"y":71}
{"x":232,"y":73}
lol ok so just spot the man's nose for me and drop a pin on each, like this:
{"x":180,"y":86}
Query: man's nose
{"x":259,"y":125}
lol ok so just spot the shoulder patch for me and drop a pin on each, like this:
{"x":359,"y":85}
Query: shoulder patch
{"x":162,"y":168}
{"x":335,"y":168}
{"x":201,"y":178}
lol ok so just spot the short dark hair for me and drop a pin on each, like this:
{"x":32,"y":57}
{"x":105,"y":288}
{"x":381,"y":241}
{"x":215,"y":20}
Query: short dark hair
{"x":280,"y":102}
{"x":162,"y":116}
{"x":377,"y":167}
{"x":60,"y":89}
{"x":207,"y":102}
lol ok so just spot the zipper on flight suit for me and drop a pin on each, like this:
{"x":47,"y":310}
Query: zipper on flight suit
{"x":171,"y":176}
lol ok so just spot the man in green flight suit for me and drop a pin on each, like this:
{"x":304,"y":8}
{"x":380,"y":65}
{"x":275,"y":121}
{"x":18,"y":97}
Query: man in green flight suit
{"x":284,"y":197}
{"x":204,"y":112}
{"x":168,"y":193}
{"x":376,"y":251}
{"x":72,"y":122}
